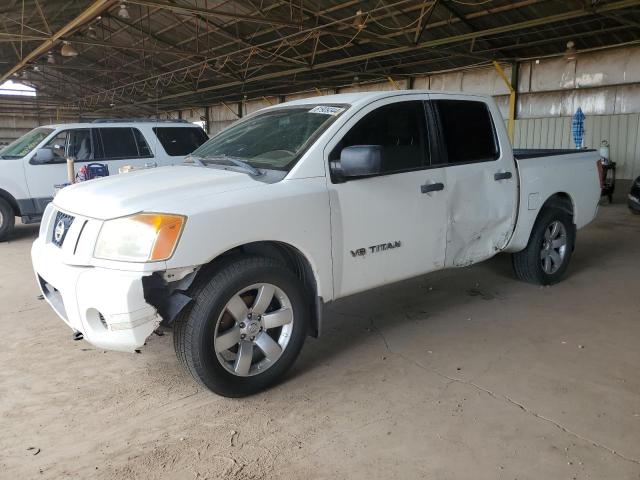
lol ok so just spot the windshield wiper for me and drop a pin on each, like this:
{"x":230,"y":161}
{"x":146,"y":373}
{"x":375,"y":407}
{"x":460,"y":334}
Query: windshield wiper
{"x":247,"y":167}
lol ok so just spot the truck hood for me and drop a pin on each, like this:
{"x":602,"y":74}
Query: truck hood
{"x":154,"y":189}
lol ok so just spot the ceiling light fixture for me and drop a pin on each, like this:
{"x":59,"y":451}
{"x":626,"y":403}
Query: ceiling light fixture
{"x":67,"y":50}
{"x":571,"y":52}
{"x":124,"y":12}
{"x":359,"y":20}
{"x":91,"y":33}
{"x":51,"y":59}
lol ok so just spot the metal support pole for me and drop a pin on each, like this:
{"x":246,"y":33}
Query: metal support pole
{"x":394,"y":83}
{"x":207,"y":119}
{"x":512,"y":98}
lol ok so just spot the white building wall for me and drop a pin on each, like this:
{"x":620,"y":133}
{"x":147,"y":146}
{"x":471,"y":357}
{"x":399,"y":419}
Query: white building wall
{"x":621,"y":131}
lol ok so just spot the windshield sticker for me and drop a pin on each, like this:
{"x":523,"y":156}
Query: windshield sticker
{"x":326,"y":110}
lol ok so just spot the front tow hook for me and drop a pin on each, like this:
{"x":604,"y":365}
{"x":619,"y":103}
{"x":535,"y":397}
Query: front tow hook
{"x":76,"y":335}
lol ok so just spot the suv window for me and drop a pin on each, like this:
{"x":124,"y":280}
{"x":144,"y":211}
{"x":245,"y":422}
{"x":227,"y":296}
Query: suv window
{"x":120,"y":142}
{"x":400,"y":129}
{"x":143,"y":148}
{"x":58,"y":145}
{"x":467,"y":131}
{"x":79,"y":145}
{"x":180,"y":140}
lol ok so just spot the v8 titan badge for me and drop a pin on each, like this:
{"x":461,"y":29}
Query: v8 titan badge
{"x":382,"y":247}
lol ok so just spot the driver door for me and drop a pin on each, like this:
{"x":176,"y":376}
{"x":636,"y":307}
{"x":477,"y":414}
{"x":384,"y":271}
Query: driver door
{"x":42,"y":178}
{"x":391,"y":226}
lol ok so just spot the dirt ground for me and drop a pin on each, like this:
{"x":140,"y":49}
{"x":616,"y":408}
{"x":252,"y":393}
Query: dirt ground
{"x":465,"y":374}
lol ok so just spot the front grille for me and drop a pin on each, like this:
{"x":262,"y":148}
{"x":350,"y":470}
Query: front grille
{"x":61,"y":226}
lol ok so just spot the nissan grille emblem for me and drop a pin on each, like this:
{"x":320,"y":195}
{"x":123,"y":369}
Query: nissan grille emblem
{"x":59,"y":231}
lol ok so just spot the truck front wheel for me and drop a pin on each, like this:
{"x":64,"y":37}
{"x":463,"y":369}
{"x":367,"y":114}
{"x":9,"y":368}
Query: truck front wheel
{"x":245,"y":328}
{"x":546,"y":258}
{"x":7,"y":219}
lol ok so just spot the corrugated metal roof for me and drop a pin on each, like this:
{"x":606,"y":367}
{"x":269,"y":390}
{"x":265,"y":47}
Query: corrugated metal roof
{"x":194,"y":52}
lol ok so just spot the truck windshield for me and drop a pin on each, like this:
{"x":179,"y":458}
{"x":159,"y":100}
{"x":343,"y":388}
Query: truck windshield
{"x":272,"y":140}
{"x":23,"y":145}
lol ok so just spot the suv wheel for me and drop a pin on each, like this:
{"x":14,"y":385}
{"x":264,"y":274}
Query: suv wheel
{"x":7,"y":219}
{"x":245,"y":329}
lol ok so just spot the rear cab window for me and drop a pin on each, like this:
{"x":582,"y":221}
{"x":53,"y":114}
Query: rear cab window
{"x":466,"y":131}
{"x":180,"y":141}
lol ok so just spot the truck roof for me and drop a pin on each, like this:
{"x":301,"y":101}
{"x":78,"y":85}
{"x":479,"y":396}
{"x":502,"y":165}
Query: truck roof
{"x":367,"y":97}
{"x":121,"y":123}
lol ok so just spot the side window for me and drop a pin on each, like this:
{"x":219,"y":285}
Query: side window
{"x":58,"y":145}
{"x":80,"y":145}
{"x":180,"y":140}
{"x":98,"y":153}
{"x":400,"y":129}
{"x":143,"y":147}
{"x":467,"y":131}
{"x":121,"y":142}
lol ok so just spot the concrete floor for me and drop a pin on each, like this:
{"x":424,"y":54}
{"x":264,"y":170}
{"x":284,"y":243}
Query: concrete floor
{"x":463,"y":374}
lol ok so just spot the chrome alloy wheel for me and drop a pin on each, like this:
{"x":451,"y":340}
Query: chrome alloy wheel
{"x":253,"y":330}
{"x":554,"y":247}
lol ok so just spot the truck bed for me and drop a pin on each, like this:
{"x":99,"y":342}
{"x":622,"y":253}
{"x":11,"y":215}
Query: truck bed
{"x":572,"y":173}
{"x":526,"y":153}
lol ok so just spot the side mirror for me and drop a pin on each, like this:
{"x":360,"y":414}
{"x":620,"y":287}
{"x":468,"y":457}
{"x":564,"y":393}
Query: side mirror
{"x":360,"y":161}
{"x":42,"y":156}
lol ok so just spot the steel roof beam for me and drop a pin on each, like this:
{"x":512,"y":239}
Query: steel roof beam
{"x":613,"y":6}
{"x":95,"y":9}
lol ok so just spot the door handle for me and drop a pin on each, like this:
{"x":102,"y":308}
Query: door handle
{"x":431,"y":187}
{"x":502,"y":176}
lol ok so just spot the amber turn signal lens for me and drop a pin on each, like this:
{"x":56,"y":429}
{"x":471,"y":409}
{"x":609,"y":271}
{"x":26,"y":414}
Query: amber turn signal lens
{"x":168,"y":229}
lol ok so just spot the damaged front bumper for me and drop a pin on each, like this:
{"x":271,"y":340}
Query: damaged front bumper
{"x":107,"y":306}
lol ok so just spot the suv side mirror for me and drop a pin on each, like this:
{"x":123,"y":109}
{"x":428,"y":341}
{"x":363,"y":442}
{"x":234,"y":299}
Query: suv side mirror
{"x":42,"y":156}
{"x":360,"y":161}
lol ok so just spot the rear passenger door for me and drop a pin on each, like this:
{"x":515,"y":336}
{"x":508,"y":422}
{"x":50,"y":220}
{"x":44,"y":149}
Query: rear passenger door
{"x":120,"y":146}
{"x":480,"y":178}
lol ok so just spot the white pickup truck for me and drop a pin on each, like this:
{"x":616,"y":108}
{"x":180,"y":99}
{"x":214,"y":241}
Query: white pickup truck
{"x":298,"y":205}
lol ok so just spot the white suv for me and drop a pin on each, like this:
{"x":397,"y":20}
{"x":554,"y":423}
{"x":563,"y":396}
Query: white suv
{"x":32,"y":165}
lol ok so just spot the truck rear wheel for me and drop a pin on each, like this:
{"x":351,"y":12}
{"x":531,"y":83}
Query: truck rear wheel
{"x":546,"y":258}
{"x":245,"y":328}
{"x":7,"y":219}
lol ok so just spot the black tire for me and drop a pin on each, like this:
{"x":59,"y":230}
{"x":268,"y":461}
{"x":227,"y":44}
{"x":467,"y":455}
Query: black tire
{"x":195,"y":329}
{"x":527,"y":264}
{"x":7,"y":219}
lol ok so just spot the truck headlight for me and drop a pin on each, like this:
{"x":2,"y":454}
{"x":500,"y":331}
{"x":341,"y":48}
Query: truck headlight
{"x":144,"y":237}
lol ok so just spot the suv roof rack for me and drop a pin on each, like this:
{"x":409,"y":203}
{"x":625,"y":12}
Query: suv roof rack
{"x":139,"y":120}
